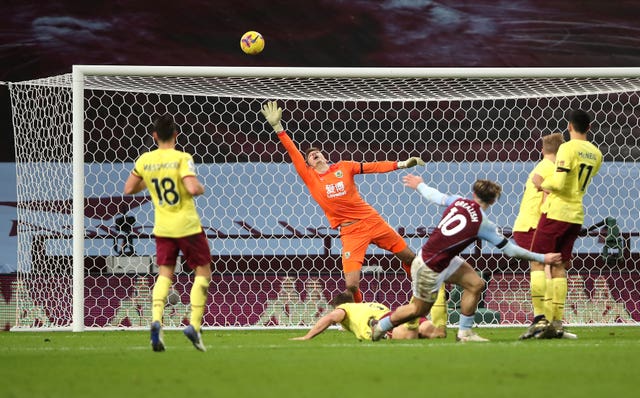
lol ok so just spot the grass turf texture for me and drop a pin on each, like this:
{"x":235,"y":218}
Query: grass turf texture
{"x":602,"y":362}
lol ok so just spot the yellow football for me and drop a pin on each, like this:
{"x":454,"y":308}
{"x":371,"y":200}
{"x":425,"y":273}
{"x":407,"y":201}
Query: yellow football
{"x":252,"y":43}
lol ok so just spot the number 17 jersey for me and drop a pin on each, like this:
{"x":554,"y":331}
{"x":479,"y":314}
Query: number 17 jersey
{"x":175,"y":212}
{"x":580,"y":160}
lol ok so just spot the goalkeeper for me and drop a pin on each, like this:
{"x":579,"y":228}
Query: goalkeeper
{"x":355,"y":317}
{"x":333,"y":188}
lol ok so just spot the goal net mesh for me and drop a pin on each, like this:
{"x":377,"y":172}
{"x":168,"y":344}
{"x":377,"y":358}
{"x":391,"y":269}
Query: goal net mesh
{"x":276,"y":261}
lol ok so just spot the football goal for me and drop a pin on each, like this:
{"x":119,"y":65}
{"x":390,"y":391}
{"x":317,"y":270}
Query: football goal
{"x":86,"y":251}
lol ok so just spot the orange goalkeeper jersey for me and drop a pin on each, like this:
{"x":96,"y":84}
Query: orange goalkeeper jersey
{"x":336,"y":191}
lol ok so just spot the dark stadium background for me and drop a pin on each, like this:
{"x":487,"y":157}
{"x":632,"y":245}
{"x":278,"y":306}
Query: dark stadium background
{"x":40,"y":39}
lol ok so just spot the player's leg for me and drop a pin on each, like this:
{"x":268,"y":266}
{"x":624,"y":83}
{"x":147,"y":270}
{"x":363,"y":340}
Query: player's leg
{"x":538,"y":289}
{"x":197,"y":257}
{"x":568,"y":233}
{"x":559,"y":282}
{"x":438,"y":315}
{"x":352,"y":282}
{"x":406,"y":256}
{"x":385,"y":237}
{"x":405,"y":332}
{"x":425,"y":284}
{"x":158,"y":300}
{"x":472,"y":286}
{"x":166,"y":255}
{"x":545,"y":240}
{"x":414,"y":309}
{"x":355,"y":241}
{"x":548,"y":294}
{"x":537,"y":286}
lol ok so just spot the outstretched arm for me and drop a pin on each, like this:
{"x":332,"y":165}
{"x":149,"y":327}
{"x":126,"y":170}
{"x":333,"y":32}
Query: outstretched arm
{"x":386,"y":166}
{"x":335,"y":316}
{"x":513,"y":250}
{"x":411,"y":162}
{"x":273,"y":114}
{"x":488,"y":231}
{"x":431,"y":194}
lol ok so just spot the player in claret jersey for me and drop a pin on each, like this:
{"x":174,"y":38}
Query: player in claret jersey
{"x":462,"y":223}
{"x":333,"y":188}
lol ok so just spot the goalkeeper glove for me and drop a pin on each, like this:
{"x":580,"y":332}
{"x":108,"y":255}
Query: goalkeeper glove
{"x":411,"y":162}
{"x":273,"y":114}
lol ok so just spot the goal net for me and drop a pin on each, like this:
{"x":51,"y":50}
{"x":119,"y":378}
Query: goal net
{"x":86,"y":252}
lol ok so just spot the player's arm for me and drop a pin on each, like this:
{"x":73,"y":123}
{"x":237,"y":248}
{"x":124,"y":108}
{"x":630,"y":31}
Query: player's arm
{"x":556,"y":181}
{"x":387,"y":166}
{"x":189,"y":177}
{"x":134,"y":184}
{"x":193,"y":185}
{"x":431,"y":194}
{"x":273,"y":114}
{"x":537,"y":180}
{"x":409,"y":163}
{"x":335,"y":316}
{"x":489,"y":232}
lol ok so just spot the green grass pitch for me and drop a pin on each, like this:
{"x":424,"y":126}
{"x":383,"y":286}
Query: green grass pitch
{"x":603,"y":362}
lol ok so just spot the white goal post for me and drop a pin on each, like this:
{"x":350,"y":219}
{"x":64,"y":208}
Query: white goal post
{"x":85,"y":253}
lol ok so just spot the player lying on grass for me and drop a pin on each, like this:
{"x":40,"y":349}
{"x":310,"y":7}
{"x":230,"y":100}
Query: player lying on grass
{"x":356,"y":317}
{"x":438,"y":261}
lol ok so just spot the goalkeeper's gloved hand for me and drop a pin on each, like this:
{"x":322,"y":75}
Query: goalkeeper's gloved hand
{"x":411,"y":162}
{"x":273,"y":114}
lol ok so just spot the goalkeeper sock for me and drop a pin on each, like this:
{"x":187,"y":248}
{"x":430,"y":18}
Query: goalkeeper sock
{"x":159,"y":297}
{"x":198,"y":301}
{"x":357,"y":296}
{"x":439,"y":309}
{"x":548,"y":300}
{"x":538,"y":289}
{"x":559,"y":298}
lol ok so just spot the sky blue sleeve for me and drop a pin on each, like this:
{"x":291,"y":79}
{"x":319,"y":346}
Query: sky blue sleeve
{"x":435,"y":196}
{"x":489,"y":232}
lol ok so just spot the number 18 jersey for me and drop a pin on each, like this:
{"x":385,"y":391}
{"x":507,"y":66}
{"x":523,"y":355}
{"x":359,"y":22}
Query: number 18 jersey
{"x":175,"y":212}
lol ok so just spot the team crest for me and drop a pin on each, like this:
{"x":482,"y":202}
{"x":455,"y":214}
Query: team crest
{"x":346,"y":255}
{"x":339,"y":174}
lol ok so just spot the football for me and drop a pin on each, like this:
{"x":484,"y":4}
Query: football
{"x":252,"y":43}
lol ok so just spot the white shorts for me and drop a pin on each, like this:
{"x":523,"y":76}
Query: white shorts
{"x":425,"y":282}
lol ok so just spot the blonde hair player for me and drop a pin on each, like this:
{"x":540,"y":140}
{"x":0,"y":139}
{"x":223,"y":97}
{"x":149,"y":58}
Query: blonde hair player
{"x":438,"y":261}
{"x":577,"y":162}
{"x":525,"y":227}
